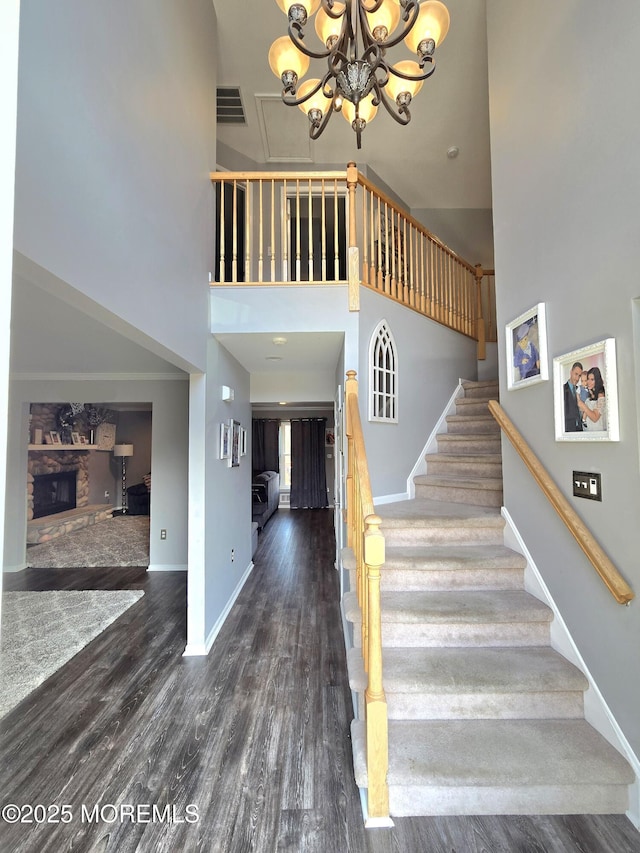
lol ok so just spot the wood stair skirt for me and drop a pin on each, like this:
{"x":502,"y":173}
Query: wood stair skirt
{"x":484,"y":716}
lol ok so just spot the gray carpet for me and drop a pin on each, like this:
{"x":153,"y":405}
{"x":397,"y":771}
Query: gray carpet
{"x":119,"y":541}
{"x":41,"y":631}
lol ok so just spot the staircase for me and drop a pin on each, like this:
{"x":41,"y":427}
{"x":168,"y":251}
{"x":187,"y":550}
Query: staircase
{"x":484,"y":716}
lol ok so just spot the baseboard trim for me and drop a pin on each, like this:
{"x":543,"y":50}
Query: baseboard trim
{"x":596,"y":710}
{"x":390,"y":499}
{"x":166,"y":567}
{"x":431,"y":445}
{"x":10,"y":569}
{"x":203,"y":649}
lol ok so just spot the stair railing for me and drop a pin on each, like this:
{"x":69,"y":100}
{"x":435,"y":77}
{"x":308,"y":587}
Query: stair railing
{"x":614,"y":581}
{"x":327,"y":228}
{"x":367,"y":543}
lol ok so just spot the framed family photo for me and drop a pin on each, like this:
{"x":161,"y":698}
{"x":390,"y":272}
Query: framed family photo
{"x":585,"y":393}
{"x":225,"y":441}
{"x":527,"y":361}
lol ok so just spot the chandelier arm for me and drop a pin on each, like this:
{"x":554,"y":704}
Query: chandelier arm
{"x":412,"y":12}
{"x":296,"y":35}
{"x":416,"y":79}
{"x":400,"y":114}
{"x":293,"y":101}
{"x":316,"y":130}
{"x":327,"y":6}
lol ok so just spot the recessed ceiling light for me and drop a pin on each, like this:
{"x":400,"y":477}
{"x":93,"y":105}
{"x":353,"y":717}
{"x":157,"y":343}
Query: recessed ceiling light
{"x":273,"y":358}
{"x":279,"y":340}
{"x":453,"y":152}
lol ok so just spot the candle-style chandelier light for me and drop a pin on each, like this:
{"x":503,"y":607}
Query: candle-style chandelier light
{"x":355,"y":37}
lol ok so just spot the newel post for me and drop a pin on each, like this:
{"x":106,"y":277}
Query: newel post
{"x":376,"y":703}
{"x":354,"y":251}
{"x":481,"y":332}
{"x":351,"y":392}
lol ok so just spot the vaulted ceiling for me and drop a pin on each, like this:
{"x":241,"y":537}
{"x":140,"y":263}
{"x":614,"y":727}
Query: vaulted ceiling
{"x":451,"y":110}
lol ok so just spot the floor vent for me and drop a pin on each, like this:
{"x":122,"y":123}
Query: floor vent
{"x":285,"y":499}
{"x":229,"y":109}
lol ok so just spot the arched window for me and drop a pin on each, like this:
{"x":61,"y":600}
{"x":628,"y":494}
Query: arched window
{"x":383,"y":375}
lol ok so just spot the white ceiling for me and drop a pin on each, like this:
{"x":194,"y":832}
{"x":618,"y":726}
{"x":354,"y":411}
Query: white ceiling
{"x":303,"y":351}
{"x":451,"y":110}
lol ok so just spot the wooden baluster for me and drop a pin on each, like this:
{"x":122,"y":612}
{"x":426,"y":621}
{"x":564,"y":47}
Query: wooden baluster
{"x":354,"y":297}
{"x":323,"y":228}
{"x":285,"y":213}
{"x":261,"y":233}
{"x":248,"y":230}
{"x":310,"y":271}
{"x":222,"y":232}
{"x":376,"y":703}
{"x":480,"y":329}
{"x":391,"y":250}
{"x":234,"y":234}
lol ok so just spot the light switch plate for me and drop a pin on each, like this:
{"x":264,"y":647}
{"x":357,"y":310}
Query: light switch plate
{"x":587,"y":485}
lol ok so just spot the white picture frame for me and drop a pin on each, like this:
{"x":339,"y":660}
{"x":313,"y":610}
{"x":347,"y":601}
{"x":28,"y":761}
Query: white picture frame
{"x":529,"y":364}
{"x":599,"y":357}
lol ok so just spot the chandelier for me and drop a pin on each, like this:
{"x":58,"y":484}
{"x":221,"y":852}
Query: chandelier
{"x":355,"y":36}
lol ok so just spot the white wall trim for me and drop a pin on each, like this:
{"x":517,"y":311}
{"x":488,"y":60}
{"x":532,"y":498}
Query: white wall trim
{"x":199,"y":649}
{"x":431,"y":445}
{"x":20,"y":568}
{"x":98,"y":377}
{"x":166,"y":567}
{"x":596,"y":711}
{"x":390,"y":499}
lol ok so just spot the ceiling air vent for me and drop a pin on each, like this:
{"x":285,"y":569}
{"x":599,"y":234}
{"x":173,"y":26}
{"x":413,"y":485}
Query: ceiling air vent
{"x":229,"y":109}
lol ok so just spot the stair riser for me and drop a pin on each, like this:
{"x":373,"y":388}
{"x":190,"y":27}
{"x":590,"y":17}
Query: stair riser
{"x":441,"y":579}
{"x":462,"y":444}
{"x":487,"y":706}
{"x":405,"y":801}
{"x":411,"y":634}
{"x":473,"y":425}
{"x":443,"y":535}
{"x":439,"y":467}
{"x":484,"y":392}
{"x":461,"y":494}
{"x":475,"y":407}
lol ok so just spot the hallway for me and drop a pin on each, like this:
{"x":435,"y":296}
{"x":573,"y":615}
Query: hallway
{"x":254,"y":738}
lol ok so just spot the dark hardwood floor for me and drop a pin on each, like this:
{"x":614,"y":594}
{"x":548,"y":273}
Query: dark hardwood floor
{"x":255,"y":737}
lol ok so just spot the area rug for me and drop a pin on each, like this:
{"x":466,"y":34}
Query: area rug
{"x":41,"y":631}
{"x":119,"y":541}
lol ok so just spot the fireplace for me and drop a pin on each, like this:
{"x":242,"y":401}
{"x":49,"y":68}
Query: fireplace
{"x":53,"y":493}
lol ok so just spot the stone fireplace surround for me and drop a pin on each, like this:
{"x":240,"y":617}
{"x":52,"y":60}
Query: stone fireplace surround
{"x":48,"y":460}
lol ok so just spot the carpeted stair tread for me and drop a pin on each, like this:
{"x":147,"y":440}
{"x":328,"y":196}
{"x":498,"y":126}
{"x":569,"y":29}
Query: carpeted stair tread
{"x":422,"y":512}
{"x":455,"y":607}
{"x":496,"y":753}
{"x":461,"y":482}
{"x":471,"y":670}
{"x":436,"y":557}
{"x":480,"y":423}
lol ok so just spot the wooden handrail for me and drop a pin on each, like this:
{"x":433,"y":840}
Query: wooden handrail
{"x":367,"y":543}
{"x":614,"y":581}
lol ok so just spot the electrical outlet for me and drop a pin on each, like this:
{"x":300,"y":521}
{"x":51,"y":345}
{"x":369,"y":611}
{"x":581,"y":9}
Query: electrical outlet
{"x":233,"y":554}
{"x":107,"y":495}
{"x":163,"y":533}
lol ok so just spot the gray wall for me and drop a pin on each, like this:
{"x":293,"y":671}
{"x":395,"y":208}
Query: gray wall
{"x":566,"y":182}
{"x":134,"y":427}
{"x":228,"y":490}
{"x":469,"y":232}
{"x":116,"y":137}
{"x":431,"y":360}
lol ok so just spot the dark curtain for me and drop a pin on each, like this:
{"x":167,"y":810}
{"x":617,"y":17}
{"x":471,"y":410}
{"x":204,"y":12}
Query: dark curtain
{"x":308,"y":469}
{"x":265,"y":448}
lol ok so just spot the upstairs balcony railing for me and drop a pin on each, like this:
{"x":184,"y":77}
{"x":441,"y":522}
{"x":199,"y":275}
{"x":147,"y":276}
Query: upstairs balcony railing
{"x":325,"y":228}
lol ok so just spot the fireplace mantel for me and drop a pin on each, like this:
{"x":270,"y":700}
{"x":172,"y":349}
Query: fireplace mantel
{"x":47,"y":448}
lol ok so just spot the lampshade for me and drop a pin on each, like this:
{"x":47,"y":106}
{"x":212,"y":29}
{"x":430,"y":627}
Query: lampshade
{"x":315,"y":102}
{"x":309,"y":5}
{"x":367,"y":110}
{"x":123,"y":449}
{"x":387,"y":16}
{"x":396,"y":85}
{"x":326,"y":27}
{"x":284,"y":56}
{"x":433,"y":23}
